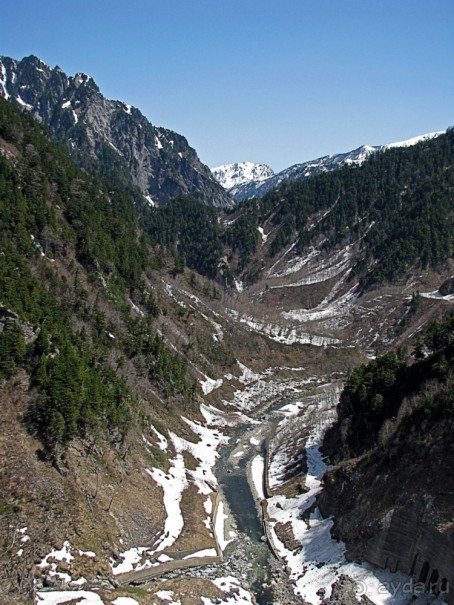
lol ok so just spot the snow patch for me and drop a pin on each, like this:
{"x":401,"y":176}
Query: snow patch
{"x":437,"y":296}
{"x":247,"y":375}
{"x":414,"y":140}
{"x":257,"y":471}
{"x":83,"y":597}
{"x":173,"y":484}
{"x":165,"y":595}
{"x":114,"y":148}
{"x":215,"y":417}
{"x":3,"y":81}
{"x":238,"y":285}
{"x":125,"y":601}
{"x":207,"y":552}
{"x":230,"y":175}
{"x":163,"y":444}
{"x":236,"y":595}
{"x":63,"y":554}
{"x":136,"y":308}
{"x":23,"y":103}
{"x":263,"y":235}
{"x":150,"y":201}
{"x":210,"y":384}
{"x":219,"y":527}
{"x":287,"y":335}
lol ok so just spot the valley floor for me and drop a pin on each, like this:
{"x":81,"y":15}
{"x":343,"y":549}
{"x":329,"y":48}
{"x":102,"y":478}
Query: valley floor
{"x":307,"y":561}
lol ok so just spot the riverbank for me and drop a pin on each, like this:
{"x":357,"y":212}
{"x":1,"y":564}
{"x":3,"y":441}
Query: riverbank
{"x":294,"y":527}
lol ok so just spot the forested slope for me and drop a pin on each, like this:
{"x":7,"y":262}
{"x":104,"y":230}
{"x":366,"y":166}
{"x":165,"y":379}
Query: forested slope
{"x":399,"y":202}
{"x":397,"y":205}
{"x":72,"y":254}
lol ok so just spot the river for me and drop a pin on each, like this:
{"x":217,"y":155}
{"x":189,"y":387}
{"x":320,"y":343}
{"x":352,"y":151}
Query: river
{"x":308,"y":561}
{"x":249,"y":553}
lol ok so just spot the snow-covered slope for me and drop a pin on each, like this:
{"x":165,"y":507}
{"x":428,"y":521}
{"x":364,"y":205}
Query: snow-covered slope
{"x":230,"y":175}
{"x":258,"y":187}
{"x":413,"y":141}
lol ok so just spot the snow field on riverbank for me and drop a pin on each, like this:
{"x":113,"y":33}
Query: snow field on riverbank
{"x":203,"y":448}
{"x":320,"y":560}
{"x":173,"y":483}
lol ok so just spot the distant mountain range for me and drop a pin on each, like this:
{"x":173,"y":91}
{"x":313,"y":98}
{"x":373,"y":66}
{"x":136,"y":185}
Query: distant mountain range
{"x":247,"y":179}
{"x":115,"y":136}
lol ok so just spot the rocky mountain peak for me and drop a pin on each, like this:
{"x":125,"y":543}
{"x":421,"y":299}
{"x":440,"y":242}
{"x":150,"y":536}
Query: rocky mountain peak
{"x":230,"y":175}
{"x":119,"y":138}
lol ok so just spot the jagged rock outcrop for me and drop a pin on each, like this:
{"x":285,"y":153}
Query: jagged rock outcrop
{"x":345,"y":590}
{"x":122,"y":142}
{"x":10,"y":321}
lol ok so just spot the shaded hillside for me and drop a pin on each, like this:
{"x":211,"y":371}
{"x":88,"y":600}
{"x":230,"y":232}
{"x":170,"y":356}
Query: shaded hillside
{"x":108,"y":137}
{"x":392,"y":490}
{"x":71,"y":256}
{"x":397,"y":207}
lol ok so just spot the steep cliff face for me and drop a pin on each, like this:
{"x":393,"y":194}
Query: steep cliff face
{"x":392,"y":493}
{"x":115,"y":135}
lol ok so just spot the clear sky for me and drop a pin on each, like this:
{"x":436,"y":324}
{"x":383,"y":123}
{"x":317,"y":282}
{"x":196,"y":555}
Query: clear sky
{"x":271,"y":81}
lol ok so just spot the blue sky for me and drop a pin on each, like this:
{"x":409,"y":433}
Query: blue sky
{"x":272,"y":81}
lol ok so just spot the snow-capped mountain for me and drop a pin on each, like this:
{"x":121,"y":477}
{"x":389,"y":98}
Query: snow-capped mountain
{"x":257,"y":188}
{"x":231,"y":175}
{"x":115,"y":135}
{"x":413,"y":141}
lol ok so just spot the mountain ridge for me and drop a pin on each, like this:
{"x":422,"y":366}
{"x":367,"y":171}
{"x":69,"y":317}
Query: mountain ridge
{"x":125,"y":145}
{"x":230,"y":175}
{"x":241,"y":188}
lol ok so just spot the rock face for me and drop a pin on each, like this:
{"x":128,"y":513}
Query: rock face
{"x":115,"y":135}
{"x":410,"y":544}
{"x":405,"y":538}
{"x":447,"y":287}
{"x":392,"y":503}
{"x":10,"y":321}
{"x":344,"y":591}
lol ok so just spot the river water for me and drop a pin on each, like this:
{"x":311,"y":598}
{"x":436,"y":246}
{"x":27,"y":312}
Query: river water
{"x":231,"y":471}
{"x":261,"y":570}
